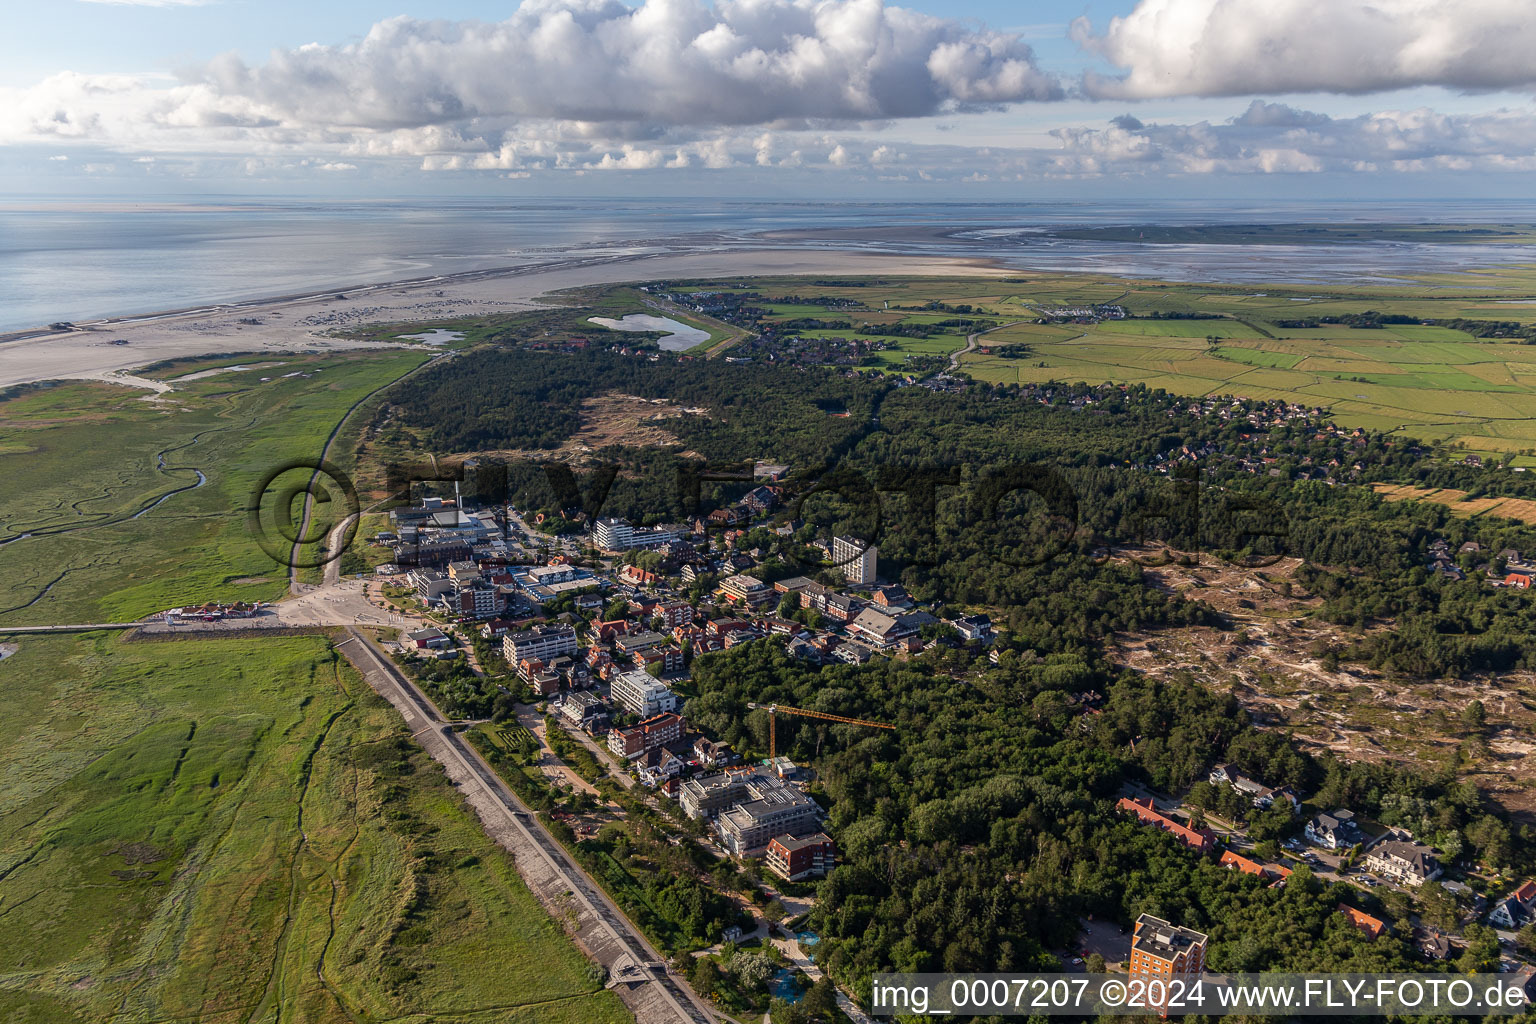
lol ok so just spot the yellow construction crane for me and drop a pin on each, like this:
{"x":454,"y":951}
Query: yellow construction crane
{"x":775,"y":709}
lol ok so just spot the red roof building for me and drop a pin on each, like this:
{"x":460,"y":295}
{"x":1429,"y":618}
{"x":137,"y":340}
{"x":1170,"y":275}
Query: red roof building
{"x":1372,"y":926}
{"x":1198,"y":840}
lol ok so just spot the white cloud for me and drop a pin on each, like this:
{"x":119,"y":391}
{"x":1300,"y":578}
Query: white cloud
{"x":670,"y":62}
{"x":1265,"y":47}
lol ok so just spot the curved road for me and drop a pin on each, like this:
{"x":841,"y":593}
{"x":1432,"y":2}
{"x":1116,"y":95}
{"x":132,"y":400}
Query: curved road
{"x":638,"y":974}
{"x":970,"y":342}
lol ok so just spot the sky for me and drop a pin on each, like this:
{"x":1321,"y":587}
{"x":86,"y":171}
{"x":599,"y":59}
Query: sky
{"x":969,"y":99}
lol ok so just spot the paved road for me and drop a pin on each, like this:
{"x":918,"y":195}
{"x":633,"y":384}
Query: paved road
{"x":970,"y":342}
{"x":644,"y":983}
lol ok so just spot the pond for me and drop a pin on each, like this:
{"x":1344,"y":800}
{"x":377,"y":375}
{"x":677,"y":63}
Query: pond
{"x":681,"y":338}
{"x":807,"y":939}
{"x":784,"y":986}
{"x":438,"y":336}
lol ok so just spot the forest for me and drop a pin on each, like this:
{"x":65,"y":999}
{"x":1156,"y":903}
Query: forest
{"x":1008,"y":498}
{"x":979,"y":832}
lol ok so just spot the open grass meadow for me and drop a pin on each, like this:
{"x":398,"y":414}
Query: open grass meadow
{"x":87,"y":466}
{"x":1428,"y":381}
{"x":238,"y":831}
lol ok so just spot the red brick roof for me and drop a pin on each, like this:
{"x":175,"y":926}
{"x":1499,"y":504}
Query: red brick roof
{"x":1372,"y":926}
{"x":1198,"y":839}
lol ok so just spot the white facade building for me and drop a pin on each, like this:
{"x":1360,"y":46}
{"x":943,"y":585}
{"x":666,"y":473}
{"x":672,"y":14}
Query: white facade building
{"x":855,"y":559}
{"x":639,"y":694}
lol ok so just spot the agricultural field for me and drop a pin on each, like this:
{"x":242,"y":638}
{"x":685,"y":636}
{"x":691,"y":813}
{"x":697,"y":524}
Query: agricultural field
{"x":105,"y":479}
{"x":1430,"y":383}
{"x":239,"y":830}
{"x":1520,"y":510}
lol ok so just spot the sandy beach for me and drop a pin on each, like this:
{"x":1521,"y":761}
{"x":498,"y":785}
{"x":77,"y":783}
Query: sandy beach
{"x":111,"y":349}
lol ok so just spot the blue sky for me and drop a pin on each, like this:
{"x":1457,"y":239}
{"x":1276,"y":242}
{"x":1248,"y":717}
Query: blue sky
{"x":1335,"y":97}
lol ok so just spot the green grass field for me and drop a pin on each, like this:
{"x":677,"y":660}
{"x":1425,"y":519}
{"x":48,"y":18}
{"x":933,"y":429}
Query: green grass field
{"x":1427,"y":381}
{"x":239,"y":830}
{"x":88,"y":458}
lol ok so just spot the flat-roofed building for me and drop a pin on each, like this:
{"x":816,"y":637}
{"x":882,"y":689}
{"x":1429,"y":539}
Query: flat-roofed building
{"x":1161,"y":949}
{"x":793,"y":859}
{"x":641,"y":694}
{"x":747,"y":590}
{"x":619,"y":535}
{"x":543,"y":643}
{"x":855,"y":559}
{"x":775,"y":809}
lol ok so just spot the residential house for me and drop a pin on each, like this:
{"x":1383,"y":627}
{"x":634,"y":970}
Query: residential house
{"x":798,"y":647}
{"x":974,"y":627}
{"x":1373,"y":927}
{"x":710,"y":753}
{"x":1335,"y":831}
{"x":892,"y":598}
{"x":1516,"y":909}
{"x":1433,"y":944}
{"x":1257,"y":793}
{"x":633,"y":643}
{"x":638,"y":576}
{"x":657,"y":765}
{"x":1410,"y":863}
{"x":585,"y":710}
{"x":1234,"y":861}
{"x":540,"y":678}
{"x":853,"y":653}
{"x":661,"y":659}
{"x":496,"y":629}
{"x":676,"y":613}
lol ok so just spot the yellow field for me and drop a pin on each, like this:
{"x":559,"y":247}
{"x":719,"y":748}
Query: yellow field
{"x":1521,"y":510}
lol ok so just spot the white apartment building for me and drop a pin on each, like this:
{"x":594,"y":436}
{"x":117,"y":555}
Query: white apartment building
{"x":639,"y":694}
{"x":543,"y":643}
{"x":855,"y":559}
{"x":620,"y":535}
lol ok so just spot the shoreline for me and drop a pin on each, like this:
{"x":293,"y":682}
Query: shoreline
{"x":108,"y":348}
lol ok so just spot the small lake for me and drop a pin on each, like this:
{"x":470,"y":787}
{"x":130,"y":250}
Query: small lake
{"x":681,"y":338}
{"x":438,"y":336}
